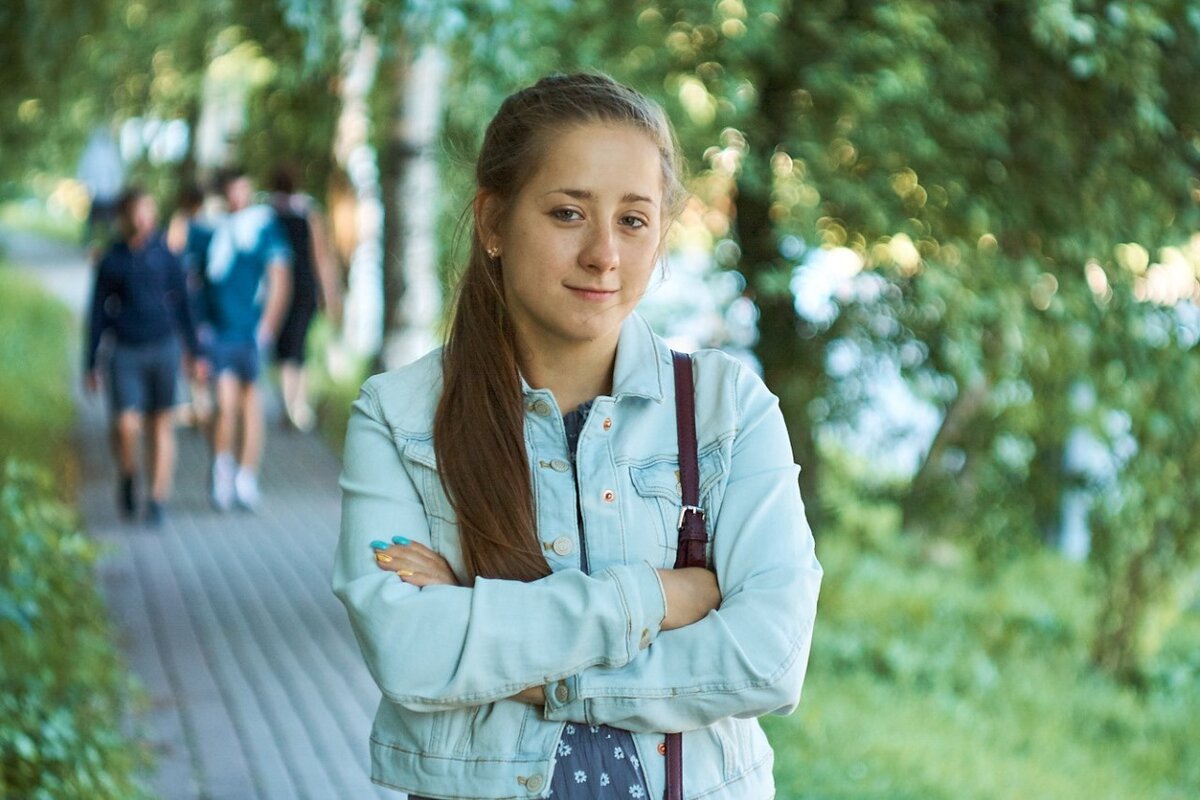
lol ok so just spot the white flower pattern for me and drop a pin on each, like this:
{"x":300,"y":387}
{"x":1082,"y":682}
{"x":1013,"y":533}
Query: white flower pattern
{"x":596,"y":762}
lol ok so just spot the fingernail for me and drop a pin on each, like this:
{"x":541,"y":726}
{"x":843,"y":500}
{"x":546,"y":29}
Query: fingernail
{"x":378,"y":545}
{"x":400,"y":540}
{"x":383,"y":558}
{"x":404,"y":573}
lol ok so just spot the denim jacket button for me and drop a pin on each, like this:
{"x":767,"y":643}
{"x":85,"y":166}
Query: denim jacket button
{"x":563,"y":546}
{"x":607,"y":423}
{"x":534,"y":783}
{"x":561,"y":693}
{"x":558,"y":465}
{"x":609,"y":495}
{"x":540,"y":407}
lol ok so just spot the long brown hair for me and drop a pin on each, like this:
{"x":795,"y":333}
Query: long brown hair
{"x":478,"y":429}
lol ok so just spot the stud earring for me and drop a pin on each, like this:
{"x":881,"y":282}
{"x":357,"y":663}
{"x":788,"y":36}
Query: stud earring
{"x":493,"y":253}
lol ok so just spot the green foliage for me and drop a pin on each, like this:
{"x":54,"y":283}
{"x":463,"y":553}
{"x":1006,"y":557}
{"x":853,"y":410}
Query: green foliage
{"x":62,"y":689}
{"x":35,"y":401}
{"x":61,"y":686}
{"x":930,"y":678}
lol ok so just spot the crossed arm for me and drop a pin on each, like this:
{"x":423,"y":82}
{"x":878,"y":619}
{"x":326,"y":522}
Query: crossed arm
{"x":740,"y":651}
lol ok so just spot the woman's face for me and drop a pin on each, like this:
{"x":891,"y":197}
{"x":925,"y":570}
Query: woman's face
{"x":578,"y":243}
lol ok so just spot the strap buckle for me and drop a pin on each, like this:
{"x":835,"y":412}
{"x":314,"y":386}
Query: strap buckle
{"x":683,"y":512}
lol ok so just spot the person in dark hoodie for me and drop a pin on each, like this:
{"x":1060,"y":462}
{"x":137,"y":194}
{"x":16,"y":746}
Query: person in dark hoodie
{"x":140,"y":303}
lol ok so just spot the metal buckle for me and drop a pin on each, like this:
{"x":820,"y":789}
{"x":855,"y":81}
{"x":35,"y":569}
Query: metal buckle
{"x":684,"y":510}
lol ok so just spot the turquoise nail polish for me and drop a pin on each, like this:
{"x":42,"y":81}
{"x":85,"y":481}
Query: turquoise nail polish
{"x":400,"y":540}
{"x":378,"y":545}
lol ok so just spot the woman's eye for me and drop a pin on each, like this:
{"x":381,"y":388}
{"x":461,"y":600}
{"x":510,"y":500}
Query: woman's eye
{"x":565,"y":214}
{"x":634,"y":222}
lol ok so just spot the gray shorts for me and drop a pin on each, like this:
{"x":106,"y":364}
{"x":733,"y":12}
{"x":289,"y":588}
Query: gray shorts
{"x":142,"y":376}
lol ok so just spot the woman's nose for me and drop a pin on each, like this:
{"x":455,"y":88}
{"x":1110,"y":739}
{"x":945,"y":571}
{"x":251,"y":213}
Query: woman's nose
{"x":600,"y":250}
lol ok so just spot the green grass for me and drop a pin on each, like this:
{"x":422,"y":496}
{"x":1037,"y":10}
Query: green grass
{"x":931,"y":681}
{"x":35,"y":400}
{"x":33,"y":216}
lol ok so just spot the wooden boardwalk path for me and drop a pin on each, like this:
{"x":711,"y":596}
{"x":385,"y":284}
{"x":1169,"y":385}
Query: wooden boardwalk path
{"x":254,"y":683}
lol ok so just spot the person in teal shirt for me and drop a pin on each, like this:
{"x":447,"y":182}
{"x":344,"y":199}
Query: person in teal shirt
{"x":247,"y":287}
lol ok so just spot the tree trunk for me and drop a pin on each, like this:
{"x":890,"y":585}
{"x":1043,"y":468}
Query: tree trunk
{"x":412,"y":288}
{"x":355,"y":158}
{"x":1122,"y":617}
{"x":793,"y":359}
{"x":962,"y":412}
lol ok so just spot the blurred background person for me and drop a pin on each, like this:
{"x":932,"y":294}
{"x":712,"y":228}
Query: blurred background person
{"x":315,"y":278}
{"x":247,"y":289}
{"x":188,"y":237}
{"x":140,"y":298}
{"x":102,"y":172}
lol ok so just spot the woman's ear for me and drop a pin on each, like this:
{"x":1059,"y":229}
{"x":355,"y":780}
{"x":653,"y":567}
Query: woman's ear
{"x":487,"y":207}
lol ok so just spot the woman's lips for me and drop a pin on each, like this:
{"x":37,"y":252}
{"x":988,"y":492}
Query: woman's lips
{"x":592,"y":295}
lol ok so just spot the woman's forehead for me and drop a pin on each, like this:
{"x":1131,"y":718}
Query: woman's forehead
{"x":594,"y":159}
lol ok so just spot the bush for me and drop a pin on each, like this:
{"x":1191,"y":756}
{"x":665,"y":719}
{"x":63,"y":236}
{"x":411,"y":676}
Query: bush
{"x":62,"y":688}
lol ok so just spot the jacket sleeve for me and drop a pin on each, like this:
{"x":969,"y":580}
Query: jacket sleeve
{"x":98,"y":321}
{"x":445,"y":646}
{"x":749,"y":657}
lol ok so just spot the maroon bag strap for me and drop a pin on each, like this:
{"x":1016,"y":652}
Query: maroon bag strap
{"x":693,"y":537}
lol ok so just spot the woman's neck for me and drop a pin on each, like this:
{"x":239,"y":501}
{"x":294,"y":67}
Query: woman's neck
{"x":573,"y":375}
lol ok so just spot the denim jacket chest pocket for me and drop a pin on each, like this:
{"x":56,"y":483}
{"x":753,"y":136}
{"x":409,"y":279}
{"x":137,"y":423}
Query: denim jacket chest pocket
{"x":658,"y":500}
{"x":421,"y":463}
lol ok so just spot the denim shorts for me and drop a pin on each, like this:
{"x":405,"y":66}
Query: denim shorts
{"x":240,"y":358}
{"x":142,"y":376}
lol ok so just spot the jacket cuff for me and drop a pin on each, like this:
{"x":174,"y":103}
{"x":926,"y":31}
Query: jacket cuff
{"x":645,"y":605}
{"x":563,"y":703}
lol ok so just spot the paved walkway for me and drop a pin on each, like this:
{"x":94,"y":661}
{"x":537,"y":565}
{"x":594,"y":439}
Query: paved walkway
{"x":254,"y":683}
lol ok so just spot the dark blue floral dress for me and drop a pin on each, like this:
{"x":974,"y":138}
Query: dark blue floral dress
{"x":594,"y":761}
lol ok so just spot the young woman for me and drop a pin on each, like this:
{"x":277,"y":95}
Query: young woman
{"x":141,"y":298}
{"x":511,"y":501}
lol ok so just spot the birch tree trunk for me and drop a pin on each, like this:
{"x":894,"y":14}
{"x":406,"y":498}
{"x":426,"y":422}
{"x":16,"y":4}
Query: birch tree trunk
{"x":415,"y":296}
{"x":362,"y":327}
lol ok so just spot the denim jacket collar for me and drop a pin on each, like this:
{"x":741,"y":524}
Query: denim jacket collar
{"x":640,"y":366}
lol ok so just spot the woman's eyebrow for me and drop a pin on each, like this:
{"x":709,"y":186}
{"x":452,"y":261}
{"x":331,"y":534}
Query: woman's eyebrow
{"x":584,"y":194}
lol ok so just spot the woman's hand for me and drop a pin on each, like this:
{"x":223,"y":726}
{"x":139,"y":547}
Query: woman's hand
{"x":414,"y":563}
{"x":534,"y":696}
{"x":691,"y":593}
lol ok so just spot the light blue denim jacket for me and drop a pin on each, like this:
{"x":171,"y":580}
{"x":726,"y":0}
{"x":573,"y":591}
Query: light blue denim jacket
{"x":446,"y":658}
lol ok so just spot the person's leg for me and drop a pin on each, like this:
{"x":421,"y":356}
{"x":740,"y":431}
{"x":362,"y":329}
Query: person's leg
{"x":162,"y":425}
{"x":127,"y":399}
{"x":128,"y":433}
{"x":254,"y":432}
{"x":293,"y":382}
{"x":162,"y":378}
{"x":253,"y":426}
{"x":224,"y":429}
{"x":162,"y":434}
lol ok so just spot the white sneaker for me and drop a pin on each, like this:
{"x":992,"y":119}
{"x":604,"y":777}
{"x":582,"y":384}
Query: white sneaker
{"x":224,"y":470}
{"x":245,"y":488}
